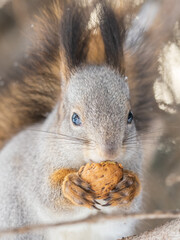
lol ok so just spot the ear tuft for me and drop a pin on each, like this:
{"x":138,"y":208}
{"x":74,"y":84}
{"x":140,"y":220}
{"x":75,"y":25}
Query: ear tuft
{"x":113,"y":33}
{"x":74,"y":36}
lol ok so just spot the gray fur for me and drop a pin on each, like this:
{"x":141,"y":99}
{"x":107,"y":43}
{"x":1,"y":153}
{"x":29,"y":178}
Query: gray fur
{"x":102,"y":98}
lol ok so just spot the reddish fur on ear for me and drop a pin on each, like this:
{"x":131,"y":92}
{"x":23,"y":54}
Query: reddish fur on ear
{"x":64,"y":69}
{"x":74,"y":36}
{"x":113,"y":33}
{"x":96,"y":51}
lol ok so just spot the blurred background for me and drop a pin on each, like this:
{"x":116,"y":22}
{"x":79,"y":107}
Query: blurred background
{"x":162,"y":146}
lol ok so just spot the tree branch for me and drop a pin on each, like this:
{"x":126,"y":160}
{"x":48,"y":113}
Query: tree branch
{"x":93,"y":219}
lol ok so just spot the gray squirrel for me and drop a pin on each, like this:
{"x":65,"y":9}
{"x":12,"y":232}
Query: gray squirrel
{"x":92,"y":120}
{"x":100,"y":109}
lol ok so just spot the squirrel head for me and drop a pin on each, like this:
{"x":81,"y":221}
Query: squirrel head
{"x":95,"y":107}
{"x":95,"y":102}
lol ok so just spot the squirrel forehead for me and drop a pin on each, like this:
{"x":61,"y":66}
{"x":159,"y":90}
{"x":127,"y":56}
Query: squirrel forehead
{"x":97,"y":82}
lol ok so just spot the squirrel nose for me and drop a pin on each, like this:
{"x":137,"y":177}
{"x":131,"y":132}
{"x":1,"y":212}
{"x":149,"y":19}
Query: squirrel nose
{"x":108,"y":151}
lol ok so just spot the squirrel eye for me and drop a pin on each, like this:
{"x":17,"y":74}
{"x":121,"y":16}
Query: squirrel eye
{"x":76,"y":119}
{"x":130,"y":117}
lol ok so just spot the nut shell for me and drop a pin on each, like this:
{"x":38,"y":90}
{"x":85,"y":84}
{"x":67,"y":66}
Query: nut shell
{"x":102,"y":177}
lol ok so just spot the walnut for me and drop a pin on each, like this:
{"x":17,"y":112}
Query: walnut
{"x":102,"y":177}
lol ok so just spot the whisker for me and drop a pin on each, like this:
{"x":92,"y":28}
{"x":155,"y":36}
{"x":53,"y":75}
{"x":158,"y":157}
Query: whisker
{"x":64,"y":136}
{"x":66,"y":139}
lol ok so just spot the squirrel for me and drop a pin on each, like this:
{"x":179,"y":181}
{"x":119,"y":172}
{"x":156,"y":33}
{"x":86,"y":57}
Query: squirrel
{"x":91,"y":104}
{"x":32,"y":86}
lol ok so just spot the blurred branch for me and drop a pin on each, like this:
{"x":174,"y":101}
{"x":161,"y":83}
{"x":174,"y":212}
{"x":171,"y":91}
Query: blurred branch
{"x":93,"y":219}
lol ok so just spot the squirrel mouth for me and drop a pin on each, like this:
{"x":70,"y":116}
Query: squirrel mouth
{"x":101,"y":160}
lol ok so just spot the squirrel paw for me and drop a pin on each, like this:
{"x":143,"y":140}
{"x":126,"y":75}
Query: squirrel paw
{"x":125,"y":191}
{"x":78,"y":191}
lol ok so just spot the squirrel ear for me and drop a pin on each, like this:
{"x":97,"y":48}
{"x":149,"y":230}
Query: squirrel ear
{"x":74,"y":36}
{"x":64,"y":68}
{"x":113,"y":33}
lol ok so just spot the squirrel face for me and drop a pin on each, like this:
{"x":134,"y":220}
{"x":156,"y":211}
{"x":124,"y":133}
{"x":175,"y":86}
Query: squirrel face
{"x":95,"y":107}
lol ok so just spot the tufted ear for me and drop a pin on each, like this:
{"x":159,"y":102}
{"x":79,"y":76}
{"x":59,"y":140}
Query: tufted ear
{"x":74,"y":36}
{"x":113,"y":33}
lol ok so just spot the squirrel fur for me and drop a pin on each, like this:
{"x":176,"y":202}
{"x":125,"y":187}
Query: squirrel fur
{"x":65,"y":74}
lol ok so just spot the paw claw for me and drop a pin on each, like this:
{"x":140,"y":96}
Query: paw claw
{"x":106,"y":205}
{"x":91,"y":190}
{"x":115,"y":190}
{"x":97,"y":202}
{"x":95,"y":207}
{"x":78,"y":191}
{"x":107,"y":199}
{"x":125,"y":191}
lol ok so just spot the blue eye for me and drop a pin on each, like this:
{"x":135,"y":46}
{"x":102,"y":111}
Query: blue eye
{"x":76,"y":119}
{"x":130,"y":117}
